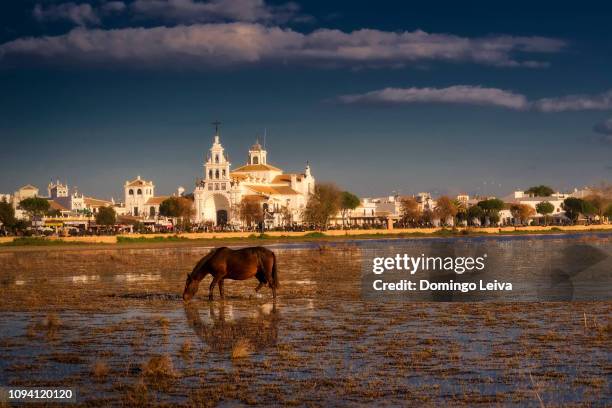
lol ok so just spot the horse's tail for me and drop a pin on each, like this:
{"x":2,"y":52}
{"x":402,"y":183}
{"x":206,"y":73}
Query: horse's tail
{"x":275,"y":272}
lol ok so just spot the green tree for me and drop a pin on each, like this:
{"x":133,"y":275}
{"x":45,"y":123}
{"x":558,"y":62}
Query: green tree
{"x":178,"y":208}
{"x":588,"y":209}
{"x":491,"y":209}
{"x":475,"y":212}
{"x":106,"y":216}
{"x":34,"y":206}
{"x":7,"y":215}
{"x":608,"y":212}
{"x":348,"y":201}
{"x":540,"y":191}
{"x":461,"y":210}
{"x":573,"y":208}
{"x":323,"y":204}
{"x":545,"y":208}
{"x":599,"y":204}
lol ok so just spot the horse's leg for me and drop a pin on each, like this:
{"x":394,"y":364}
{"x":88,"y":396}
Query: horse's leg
{"x":268,"y":274}
{"x":261,"y":284}
{"x":221,"y":288}
{"x":212,"y":286}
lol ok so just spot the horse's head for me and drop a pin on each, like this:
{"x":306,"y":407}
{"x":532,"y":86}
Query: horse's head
{"x":191,"y":287}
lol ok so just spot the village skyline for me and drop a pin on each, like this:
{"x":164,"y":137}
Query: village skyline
{"x":186,"y":188}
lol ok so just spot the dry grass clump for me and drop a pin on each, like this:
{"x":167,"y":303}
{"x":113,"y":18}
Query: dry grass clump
{"x":160,"y":367}
{"x":137,"y":395}
{"x":595,"y":382}
{"x":51,"y":322}
{"x":99,"y":370}
{"x":185,"y":350}
{"x":241,"y":349}
{"x":424,"y":354}
{"x":163,"y":321}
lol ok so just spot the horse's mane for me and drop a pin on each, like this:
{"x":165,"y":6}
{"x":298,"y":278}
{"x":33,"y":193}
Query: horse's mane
{"x":203,"y":261}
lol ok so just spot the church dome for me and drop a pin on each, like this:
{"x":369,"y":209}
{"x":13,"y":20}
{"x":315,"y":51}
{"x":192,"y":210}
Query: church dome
{"x":256,"y":146}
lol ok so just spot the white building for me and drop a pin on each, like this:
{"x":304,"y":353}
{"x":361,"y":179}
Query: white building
{"x":219,"y":193}
{"x":556,"y":199}
{"x":27,"y":191}
{"x":76,"y":202}
{"x":140,"y":199}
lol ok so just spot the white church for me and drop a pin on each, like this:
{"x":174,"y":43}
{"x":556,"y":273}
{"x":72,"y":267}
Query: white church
{"x":217,"y":196}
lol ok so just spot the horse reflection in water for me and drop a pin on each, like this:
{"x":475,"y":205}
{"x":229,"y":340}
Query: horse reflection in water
{"x":260,"y":328}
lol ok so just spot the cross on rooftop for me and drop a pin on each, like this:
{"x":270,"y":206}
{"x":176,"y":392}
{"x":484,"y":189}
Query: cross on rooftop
{"x":216,"y":124}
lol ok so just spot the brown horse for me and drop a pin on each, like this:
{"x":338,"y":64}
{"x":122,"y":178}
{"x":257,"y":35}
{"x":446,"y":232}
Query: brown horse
{"x":225,"y":263}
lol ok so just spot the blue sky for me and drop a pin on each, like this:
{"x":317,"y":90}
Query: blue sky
{"x":438,"y":97}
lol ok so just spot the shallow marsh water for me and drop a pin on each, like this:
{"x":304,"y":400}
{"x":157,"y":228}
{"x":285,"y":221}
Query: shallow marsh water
{"x":111,"y":323}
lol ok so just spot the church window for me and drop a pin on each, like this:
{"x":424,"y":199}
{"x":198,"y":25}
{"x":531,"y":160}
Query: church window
{"x":131,"y":192}
{"x":216,"y":186}
{"x":255,"y":160}
{"x":210,"y":186}
{"x":223,"y":173}
{"x":216,"y":158}
{"x":139,"y":192}
{"x":222,"y":186}
{"x":209,"y":174}
{"x":216,"y":174}
{"x":152,"y":212}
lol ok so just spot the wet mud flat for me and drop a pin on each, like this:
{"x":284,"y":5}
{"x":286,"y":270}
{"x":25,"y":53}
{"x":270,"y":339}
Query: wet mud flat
{"x":111,"y":324}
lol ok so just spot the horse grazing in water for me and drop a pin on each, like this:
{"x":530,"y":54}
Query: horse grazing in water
{"x":225,"y":263}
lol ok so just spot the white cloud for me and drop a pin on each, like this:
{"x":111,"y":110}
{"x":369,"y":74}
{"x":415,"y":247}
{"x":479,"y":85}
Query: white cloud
{"x":458,"y":94}
{"x":227,"y":43}
{"x":477,"y":95}
{"x":602,"y":101}
{"x":192,"y":11}
{"x":79,"y":14}
{"x":113,"y":7}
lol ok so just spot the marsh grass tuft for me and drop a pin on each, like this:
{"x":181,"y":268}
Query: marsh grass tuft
{"x":185,"y":350}
{"x":99,"y":370}
{"x":241,"y":349}
{"x":159,"y":367}
{"x":163,"y":321}
{"x":52,"y":322}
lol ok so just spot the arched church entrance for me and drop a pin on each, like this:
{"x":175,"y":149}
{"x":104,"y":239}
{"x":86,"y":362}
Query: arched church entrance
{"x":216,"y":209}
{"x":222,"y":217}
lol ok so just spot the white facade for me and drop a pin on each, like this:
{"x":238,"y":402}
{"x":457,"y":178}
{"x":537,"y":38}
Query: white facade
{"x":27,"y":191}
{"x":219,"y":193}
{"x":137,"y":193}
